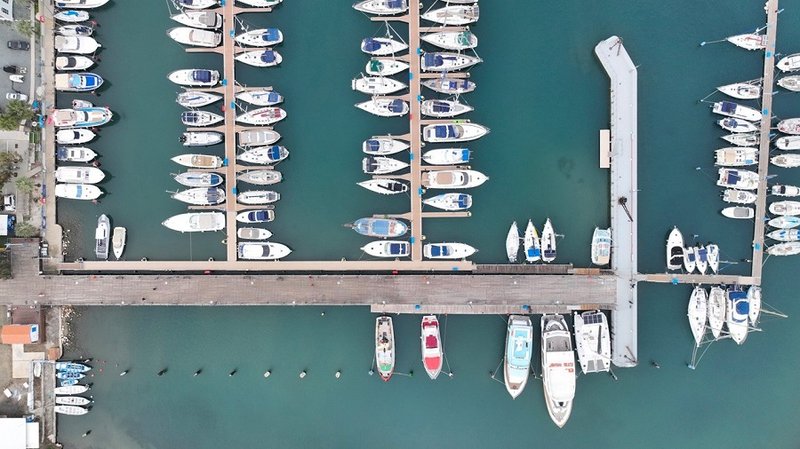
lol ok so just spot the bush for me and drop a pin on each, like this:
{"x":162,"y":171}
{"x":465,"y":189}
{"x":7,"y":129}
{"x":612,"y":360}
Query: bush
{"x":5,"y":265}
{"x":25,"y":185}
{"x":16,"y":112}
{"x":8,"y":162}
{"x":26,"y":230}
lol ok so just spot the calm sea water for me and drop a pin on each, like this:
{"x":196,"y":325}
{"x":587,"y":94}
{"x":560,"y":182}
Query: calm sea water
{"x":544,"y":95}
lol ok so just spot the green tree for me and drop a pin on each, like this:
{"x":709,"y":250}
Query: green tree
{"x":26,"y":230}
{"x":16,"y":111}
{"x":8,"y":162}
{"x":5,"y":265}
{"x":25,"y":185}
{"x":27,"y":27}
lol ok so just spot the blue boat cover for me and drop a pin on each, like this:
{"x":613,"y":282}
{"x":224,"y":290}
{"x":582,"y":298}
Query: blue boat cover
{"x":395,"y":4}
{"x":742,"y":307}
{"x":271,"y":34}
{"x":433,"y":60}
{"x":397,"y":249}
{"x":189,"y":116}
{"x":215,"y":178}
{"x":733,"y":177}
{"x":259,"y":215}
{"x":369,"y":44}
{"x":61,"y":153}
{"x":441,"y":106}
{"x":373,"y":145}
{"x":443,"y":131}
{"x":396,"y":106}
{"x":268,"y":56}
{"x":464,"y":155}
{"x":728,"y":107}
{"x":273,"y":97}
{"x":440,"y":251}
{"x":91,"y":80}
{"x":204,"y":76}
{"x":79,"y":190}
{"x":463,"y":201}
{"x":380,"y":227}
{"x":274,"y":153}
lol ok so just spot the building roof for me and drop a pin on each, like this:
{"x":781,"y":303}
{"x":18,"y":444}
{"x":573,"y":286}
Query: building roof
{"x":16,"y":334}
{"x":13,"y":434}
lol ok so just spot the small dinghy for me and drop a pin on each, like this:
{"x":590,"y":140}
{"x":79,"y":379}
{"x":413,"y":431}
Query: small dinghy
{"x":102,"y":236}
{"x":784,"y":222}
{"x":260,"y":177}
{"x":737,"y":179}
{"x":260,"y":97}
{"x":447,"y":62}
{"x":75,"y":154}
{"x":73,"y":62}
{"x":75,"y":30}
{"x":80,"y":4}
{"x":548,"y":242}
{"x":531,"y":243}
{"x":382,"y":46}
{"x":736,"y":156}
{"x":196,"y":222}
{"x":79,"y":175}
{"x":194,"y":37}
{"x":453,"y":132}
{"x":199,"y":179}
{"x":118,"y":239}
{"x":689,"y":259}
{"x":201,"y":196}
{"x":739,"y":212}
{"x":71,"y":16}
{"x":754,"y":297}
{"x":738,"y":312}
{"x":200,"y":118}
{"x":260,"y":58}
{"x":384,"y":347}
{"x":379,"y":227}
{"x":785,"y":208}
{"x":443,"y":108}
{"x":698,"y":313}
{"x":383,"y":146}
{"x":453,"y":15}
{"x":195,"y":77}
{"x":749,"y":41}
{"x":262,"y":116}
{"x":262,"y":251}
{"x":384,"y":186}
{"x":701,"y":259}
{"x":593,"y":342}
{"x":385,"y":66}
{"x":72,"y":400}
{"x":789,"y":126}
{"x":675,"y":249}
{"x":450,"y":201}
{"x":80,"y":45}
{"x":451,"y":40}
{"x":258,"y":197}
{"x":601,"y":246}
{"x":195,"y":4}
{"x":384,"y":107}
{"x":785,"y":235}
{"x":266,"y":155}
{"x":71,"y":389}
{"x":256,"y":216}
{"x":197,"y":99}
{"x":716,"y":311}
{"x":204,"y":20}
{"x":790,"y":83}
{"x":381,"y":7}
{"x":200,"y":138}
{"x":77,"y":82}
{"x":741,"y":91}
{"x":262,"y":37}
{"x":448,"y":251}
{"x":257,"y":137}
{"x":785,"y":190}
{"x":788,"y":143}
{"x":453,"y":179}
{"x":431,"y":341}
{"x":784,"y":249}
{"x":381,"y":165}
{"x":447,"y":156}
{"x":744,"y":139}
{"x":81,"y":118}
{"x":449,"y":86}
{"x":388,"y":248}
{"x":786,"y":160}
{"x":739,"y":196}
{"x":70,"y":410}
{"x":78,"y":191}
{"x":512,"y":243}
{"x":737,"y":126}
{"x":253,"y":234}
{"x":737,"y":111}
{"x":377,"y":85}
{"x":198,"y":160}
{"x":74,"y":136}
{"x":789,"y":63}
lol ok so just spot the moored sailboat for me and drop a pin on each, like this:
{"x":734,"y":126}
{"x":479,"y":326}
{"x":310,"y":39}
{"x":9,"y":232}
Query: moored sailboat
{"x":512,"y":243}
{"x":698,"y":313}
{"x":548,"y":242}
{"x":532,"y":243}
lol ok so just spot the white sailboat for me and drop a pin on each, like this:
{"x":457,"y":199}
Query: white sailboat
{"x":754,"y":298}
{"x":200,"y":118}
{"x":741,"y":91}
{"x":381,"y":165}
{"x":196,"y":222}
{"x":260,"y":58}
{"x":689,"y":259}
{"x":701,"y":259}
{"x":784,"y":249}
{"x":743,"y":139}
{"x":200,"y":138}
{"x":449,"y":86}
{"x":384,"y":107}
{"x":262,"y":116}
{"x":675,"y":249}
{"x":448,"y":251}
{"x":548,"y":242}
{"x":443,"y":108}
{"x":266,"y":155}
{"x":451,"y":40}
{"x":788,"y":143}
{"x":453,"y":15}
{"x":450,"y":201}
{"x":195,"y":4}
{"x":377,"y":85}
{"x":785,"y":235}
{"x":196,"y":98}
{"x":382,"y":46}
{"x":716,"y":311}
{"x":447,"y":61}
{"x":383,"y":146}
{"x":738,"y":312}
{"x":258,"y":197}
{"x":385,"y":66}
{"x":194,"y":37}
{"x":260,"y":177}
{"x":205,"y":20}
{"x":262,"y":37}
{"x":558,"y":368}
{"x":518,"y":354}
{"x":790,"y":83}
{"x":384,"y":186}
{"x":786,"y":160}
{"x":785,"y":208}
{"x":531,"y":243}
{"x":199,"y":179}
{"x":260,"y":97}
{"x":381,"y":7}
{"x":201,"y":196}
{"x":698,"y":313}
{"x":790,"y":63}
{"x":784,"y":222}
{"x":789,"y":126}
{"x":749,"y":41}
{"x":80,"y":4}
{"x":512,"y":243}
{"x":593,"y":342}
{"x":736,"y":125}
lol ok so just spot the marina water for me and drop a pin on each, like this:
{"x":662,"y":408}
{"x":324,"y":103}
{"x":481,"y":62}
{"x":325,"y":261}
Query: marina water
{"x":544,"y":95}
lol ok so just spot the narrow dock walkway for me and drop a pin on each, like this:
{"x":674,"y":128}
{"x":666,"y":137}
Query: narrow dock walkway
{"x":229,"y":99}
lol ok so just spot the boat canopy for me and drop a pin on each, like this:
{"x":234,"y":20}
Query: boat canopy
{"x":441,"y":106}
{"x":268,"y":56}
{"x":433,"y":59}
{"x":204,"y":76}
{"x":397,"y":249}
{"x":464,"y":38}
{"x":728,"y":107}
{"x":463,"y":201}
{"x":742,"y":307}
{"x":274,"y":152}
{"x":520,"y":352}
{"x":395,"y":4}
{"x":371,"y":44}
{"x":464,"y":155}
{"x":431,"y":342}
{"x":190,"y":117}
{"x":373,"y":145}
{"x":443,"y":131}
{"x":375,"y":65}
{"x":732,"y":177}
{"x":396,"y":105}
{"x":440,"y":251}
{"x":271,"y":34}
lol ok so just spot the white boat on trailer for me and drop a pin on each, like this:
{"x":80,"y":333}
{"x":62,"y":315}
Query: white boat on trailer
{"x":512,"y":243}
{"x":447,"y":251}
{"x":558,"y":368}
{"x":247,"y":233}
{"x":384,"y":186}
{"x":518,"y":354}
{"x":388,"y":248}
{"x":196,"y":222}
{"x":204,"y":20}
{"x":383,"y":146}
{"x":592,"y":341}
{"x":450,"y":201}
{"x":741,"y":91}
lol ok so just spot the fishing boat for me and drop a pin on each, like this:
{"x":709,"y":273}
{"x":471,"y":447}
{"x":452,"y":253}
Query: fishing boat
{"x":204,"y":20}
{"x":258,"y":197}
{"x":201,"y":196}
{"x":262,"y":116}
{"x":512,"y":243}
{"x":102,"y":235}
{"x":257,"y":137}
{"x":453,"y":15}
{"x":71,"y":16}
{"x":453,"y":132}
{"x":785,"y":190}
{"x":384,"y":186}
{"x":784,"y":222}
{"x":194,"y":37}
{"x":739,"y":212}
{"x":737,"y":111}
{"x":790,"y":63}
{"x":784,"y":249}
{"x":749,"y":41}
{"x":387,"y":248}
{"x":70,"y":62}
{"x":449,"y":86}
{"x":698,"y":313}
{"x":377,"y":85}
{"x":531,"y":243}
{"x":78,"y":191}
{"x":384,"y":107}
{"x":736,"y":156}
{"x":256,"y":216}
{"x":265,"y":155}
{"x":200,"y":138}
{"x":260,"y":58}
{"x":381,"y":165}
{"x":260,"y":97}
{"x":448,"y":251}
{"x":195,"y":4}
{"x":785,"y":235}
{"x":78,"y":45}
{"x":443,"y":108}
{"x":447,"y":156}
{"x":79,"y":175}
{"x":737,"y":179}
{"x":379,"y":227}
{"x":262,"y":37}
{"x":601,"y":246}
{"x":675,"y":249}
{"x":70,"y":410}
{"x":741,"y":91}
{"x":785,"y":208}
{"x":716,"y":311}
{"x":382,"y":46}
{"x":118,"y":240}
{"x":197,"y":99}
{"x":77,"y":82}
{"x":74,"y":154}
{"x":548,"y":242}
{"x":262,"y":251}
{"x":70,"y":390}
{"x":689,"y":259}
{"x":385,"y":66}
{"x":80,"y":4}
{"x":788,"y":143}
{"x":195,"y":77}
{"x":431,"y":342}
{"x":739,"y":196}
{"x":260,"y":177}
{"x":712,"y":256}
{"x":592,"y":341}
{"x":198,"y":161}
{"x":196,"y":222}
{"x":737,"y":313}
{"x":791,"y":83}
{"x":381,"y":7}
{"x":518,"y":354}
{"x":81,"y":118}
{"x":383,"y":146}
{"x":786,"y":160}
{"x":453,"y":179}
{"x":384,"y":347}
{"x":558,"y":368}
{"x":736,"y":125}
{"x":451,"y":40}
{"x":743,"y":139}
{"x":450,"y":201}
{"x":253,"y":233}
{"x":200,"y":118}
{"x":447,"y":62}
{"x":789,"y":126}
{"x":72,"y":400}
{"x":72,"y":366}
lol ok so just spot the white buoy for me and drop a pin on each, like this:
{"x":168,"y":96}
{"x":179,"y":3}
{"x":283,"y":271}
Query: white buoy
{"x":302,"y":374}
{"x":267,"y":373}
{"x":338,"y":374}
{"x":123,"y":373}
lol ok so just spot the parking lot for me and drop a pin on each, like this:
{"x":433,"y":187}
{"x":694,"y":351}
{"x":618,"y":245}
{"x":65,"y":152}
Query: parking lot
{"x":14,"y":57}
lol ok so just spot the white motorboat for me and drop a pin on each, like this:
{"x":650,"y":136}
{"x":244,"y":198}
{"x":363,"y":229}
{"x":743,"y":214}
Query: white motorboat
{"x":70,"y":390}
{"x":450,"y":201}
{"x":443,"y":108}
{"x":258,"y":197}
{"x":118,"y":239}
{"x":453,"y":132}
{"x":200,"y":118}
{"x":737,"y":313}
{"x":384,"y":347}
{"x":199,"y":179}
{"x":558,"y":368}
{"x":593,"y":341}
{"x":601,"y":246}
{"x":74,"y":154}
{"x":200,"y":138}
{"x":81,"y":118}
{"x":246,"y":233}
{"x":698,"y":313}
{"x":716,"y":311}
{"x":257,"y":137}
{"x":743,"y":139}
{"x":431,"y":342}
{"x":453,"y":179}
{"x":196,"y":4}
{"x":194,"y":37}
{"x":204,"y":20}
{"x":447,"y":62}
{"x":448,"y":251}
{"x":387,"y":248}
{"x":260,"y":177}
{"x":256,"y":216}
{"x":754,"y":299}
{"x":262,"y":116}
{"x":737,"y":125}
{"x":785,"y":235}
{"x":261,"y":3}
{"x":737,"y":179}
{"x":379,"y":227}
{"x":786,"y":160}
{"x":80,"y":45}
{"x":201,"y":196}
{"x":262,"y":37}
{"x":102,"y":236}
{"x":737,"y":111}
{"x":381,"y":7}
{"x":790,"y":83}
{"x":453,"y":15}
{"x":71,"y":16}
{"x":70,"y":410}
{"x":788,"y":143}
{"x":384,"y":107}
{"x":675,"y":249}
{"x":266,"y":155}
{"x":72,"y":400}
{"x":260,"y":58}
{"x":382,"y":46}
{"x":73,"y":62}
{"x":741,"y":91}
{"x":739,"y":212}
{"x":77,"y":82}
{"x":785,"y":208}
{"x":384,"y":186}
{"x":262,"y":251}
{"x":449,"y":86}
{"x":383,"y":146}
{"x":531,"y":243}
{"x":512,"y":243}
{"x":790,"y":63}
{"x":377,"y":85}
{"x":381,"y":165}
{"x":78,"y":104}
{"x":784,"y":222}
{"x":447,"y":156}
{"x":260,"y":97}
{"x":78,"y":191}
{"x":197,"y":99}
{"x":689,"y":259}
{"x":518,"y":354}
{"x":80,"y":4}
{"x":195,"y":77}
{"x":739,"y":196}
{"x":789,"y":126}
{"x":785,"y":190}
{"x":75,"y":30}
{"x":196,"y":222}
{"x":451,"y":40}
{"x":749,"y":41}
{"x":198,"y":160}
{"x":736,"y":156}
{"x":548,"y":242}
{"x":79,"y":175}
{"x":385,"y":66}
{"x":784,"y":249}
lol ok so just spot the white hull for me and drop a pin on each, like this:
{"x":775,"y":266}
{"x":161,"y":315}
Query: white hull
{"x":383,"y":146}
{"x":785,"y":190}
{"x":79,"y":4}
{"x":385,"y":67}
{"x":737,"y":126}
{"x":253,"y":233}
{"x":739,"y":212}
{"x":737,"y":314}
{"x":377,"y":85}
{"x":449,"y":86}
{"x":431,"y":344}
{"x":738,"y":196}
{"x":207,"y":20}
{"x":744,"y":139}
{"x":512,"y":243}
{"x":73,"y":62}
{"x":789,"y":126}
{"x":786,"y":160}
{"x":194,"y":37}
{"x":80,"y":45}
{"x":70,"y":410}
{"x":194,"y":77}
{"x":382,"y":46}
{"x":531,"y":243}
{"x":785,"y":208}
{"x":736,"y":157}
{"x":443,"y":108}
{"x":201,"y":196}
{"x":447,"y":62}
{"x":784,"y":249}
{"x":75,"y":30}
{"x":260,"y":97}
{"x":196,"y":222}
{"x":558,"y":368}
{"x":70,"y":390}
{"x":384,"y":347}
{"x":453,"y":15}
{"x":384,"y":107}
{"x":384,"y":186}
{"x":118,"y":239}
{"x":258,"y":197}
{"x":675,"y":250}
{"x":790,"y":83}
{"x":201,"y":138}
{"x":592,"y":342}
{"x":387,"y":248}
{"x":256,"y":216}
{"x":698,"y":313}
{"x":518,"y":354}
{"x":453,"y":179}
{"x":260,"y":3}
{"x":197,"y":99}
{"x":381,"y":7}
{"x":262,"y":37}
{"x":784,"y":222}
{"x":453,"y":132}
{"x":448,"y":251}
{"x":262,"y":116}
{"x":75,"y":154}
{"x":741,"y":91}
{"x":381,"y":165}
{"x":71,"y":16}
{"x":262,"y":251}
{"x":264,"y":155}
{"x":447,"y":156}
{"x":200,"y":118}
{"x":257,"y":137}
{"x":198,"y":161}
{"x":716,"y":311}
{"x":260,"y":58}
{"x":79,"y":175}
{"x":737,"y":179}
{"x":196,"y":4}
{"x":601,"y":246}
{"x":789,"y":63}
{"x":689,"y":259}
{"x":548,"y":242}
{"x":78,"y":191}
{"x":754,"y":297}
{"x":737,"y":111}
{"x":450,"y":201}
{"x":785,"y":235}
{"x":195,"y":179}
{"x":260,"y":177}
{"x":749,"y":41}
{"x":451,"y":40}
{"x":788,"y":143}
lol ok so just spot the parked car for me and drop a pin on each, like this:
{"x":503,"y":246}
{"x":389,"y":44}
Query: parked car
{"x":9,"y":203}
{"x":16,"y":96}
{"x":19,"y":45}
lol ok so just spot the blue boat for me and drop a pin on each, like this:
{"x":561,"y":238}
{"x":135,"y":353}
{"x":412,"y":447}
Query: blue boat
{"x":70,"y":375}
{"x":379,"y":227}
{"x":72,"y":367}
{"x":78,"y":82}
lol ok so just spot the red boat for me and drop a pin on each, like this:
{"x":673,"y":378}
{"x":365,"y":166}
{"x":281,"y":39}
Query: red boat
{"x":431,"y":346}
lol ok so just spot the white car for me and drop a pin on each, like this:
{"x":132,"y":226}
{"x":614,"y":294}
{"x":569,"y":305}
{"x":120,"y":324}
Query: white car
{"x":9,"y":203}
{"x":16,"y":96}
